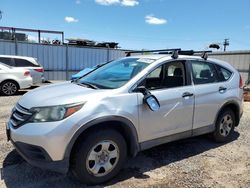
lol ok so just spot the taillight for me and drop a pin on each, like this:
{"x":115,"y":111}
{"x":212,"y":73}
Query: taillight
{"x":241,"y":83}
{"x":26,"y":73}
{"x":39,"y":70}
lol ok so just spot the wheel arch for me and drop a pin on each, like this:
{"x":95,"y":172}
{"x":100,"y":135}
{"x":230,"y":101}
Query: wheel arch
{"x":234,"y":106}
{"x":124,"y":126}
{"x":9,"y":79}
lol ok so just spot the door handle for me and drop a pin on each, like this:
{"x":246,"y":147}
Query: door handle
{"x":222,"y":89}
{"x":187,"y":94}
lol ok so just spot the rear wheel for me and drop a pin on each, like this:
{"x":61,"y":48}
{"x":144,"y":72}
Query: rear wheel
{"x":99,"y":156}
{"x":224,"y":126}
{"x":9,"y":87}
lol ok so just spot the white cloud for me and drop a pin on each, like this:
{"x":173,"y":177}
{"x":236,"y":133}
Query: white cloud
{"x":70,"y":19}
{"x":151,"y":19}
{"x":127,"y":3}
{"x":78,"y":2}
{"x":107,"y":2}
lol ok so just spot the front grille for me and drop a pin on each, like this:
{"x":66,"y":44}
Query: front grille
{"x":19,"y":116}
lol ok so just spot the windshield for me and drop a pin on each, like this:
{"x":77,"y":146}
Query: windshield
{"x":116,"y":73}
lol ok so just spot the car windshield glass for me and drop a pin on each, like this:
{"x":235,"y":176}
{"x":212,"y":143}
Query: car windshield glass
{"x":116,"y":73}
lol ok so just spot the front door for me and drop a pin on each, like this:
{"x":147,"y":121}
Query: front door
{"x":171,"y":86}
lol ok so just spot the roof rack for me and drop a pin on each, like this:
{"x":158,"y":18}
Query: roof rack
{"x":152,"y":51}
{"x":174,"y":51}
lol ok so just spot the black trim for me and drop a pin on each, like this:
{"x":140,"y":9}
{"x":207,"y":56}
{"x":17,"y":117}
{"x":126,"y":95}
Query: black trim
{"x":24,"y":116}
{"x":187,"y":67}
{"x":203,"y":130}
{"x":178,"y":136}
{"x":133,"y":137}
{"x":38,"y":157}
{"x":158,"y":141}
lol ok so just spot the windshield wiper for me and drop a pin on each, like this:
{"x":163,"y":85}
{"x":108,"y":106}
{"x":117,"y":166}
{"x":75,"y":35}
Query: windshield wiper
{"x":88,"y":85}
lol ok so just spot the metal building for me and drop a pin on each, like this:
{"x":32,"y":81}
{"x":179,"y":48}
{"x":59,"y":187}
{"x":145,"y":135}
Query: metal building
{"x":60,"y":61}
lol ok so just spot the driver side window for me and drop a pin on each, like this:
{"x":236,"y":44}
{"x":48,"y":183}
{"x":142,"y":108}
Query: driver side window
{"x":169,"y":75}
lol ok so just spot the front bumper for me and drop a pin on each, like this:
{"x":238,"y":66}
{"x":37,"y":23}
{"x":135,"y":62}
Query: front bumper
{"x":55,"y":138}
{"x":37,"y":156}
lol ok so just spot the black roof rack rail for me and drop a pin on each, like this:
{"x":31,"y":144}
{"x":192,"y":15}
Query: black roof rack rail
{"x":128,"y":53}
{"x":192,"y":52}
{"x":174,"y":51}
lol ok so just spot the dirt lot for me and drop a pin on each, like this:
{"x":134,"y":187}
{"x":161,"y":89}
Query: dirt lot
{"x":195,"y":162}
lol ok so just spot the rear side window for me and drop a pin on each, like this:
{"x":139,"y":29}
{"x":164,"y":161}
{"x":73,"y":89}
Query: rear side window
{"x":24,"y":63}
{"x":7,"y":61}
{"x":203,"y":72}
{"x":223,"y":73}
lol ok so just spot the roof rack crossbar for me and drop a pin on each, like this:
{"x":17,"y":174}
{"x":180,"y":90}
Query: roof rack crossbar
{"x":192,"y":52}
{"x":149,"y":51}
{"x":174,"y":51}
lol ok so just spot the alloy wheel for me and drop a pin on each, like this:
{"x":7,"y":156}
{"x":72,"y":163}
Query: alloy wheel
{"x":102,"y":158}
{"x":9,"y":88}
{"x":226,"y":125}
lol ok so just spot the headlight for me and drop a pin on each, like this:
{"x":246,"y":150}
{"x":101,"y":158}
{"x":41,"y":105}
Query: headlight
{"x":54,"y":113}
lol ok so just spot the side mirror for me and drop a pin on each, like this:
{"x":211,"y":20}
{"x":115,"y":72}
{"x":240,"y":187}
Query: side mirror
{"x":148,"y":98}
{"x":152,"y":102}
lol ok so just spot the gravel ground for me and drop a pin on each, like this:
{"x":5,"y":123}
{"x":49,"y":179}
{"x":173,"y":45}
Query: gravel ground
{"x":194,"y":162}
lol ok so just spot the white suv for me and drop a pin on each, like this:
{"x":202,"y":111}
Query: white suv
{"x":93,"y":124}
{"x":13,"y":79}
{"x":30,"y":63}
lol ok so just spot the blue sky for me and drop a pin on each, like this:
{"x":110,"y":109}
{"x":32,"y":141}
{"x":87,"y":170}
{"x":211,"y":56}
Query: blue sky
{"x":137,"y":24}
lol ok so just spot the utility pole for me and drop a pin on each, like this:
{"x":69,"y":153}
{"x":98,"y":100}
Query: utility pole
{"x":225,"y":44}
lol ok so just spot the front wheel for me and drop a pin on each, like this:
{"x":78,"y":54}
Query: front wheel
{"x":99,"y":156}
{"x":224,"y":126}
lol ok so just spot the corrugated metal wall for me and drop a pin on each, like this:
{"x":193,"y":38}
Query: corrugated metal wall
{"x":60,"y":62}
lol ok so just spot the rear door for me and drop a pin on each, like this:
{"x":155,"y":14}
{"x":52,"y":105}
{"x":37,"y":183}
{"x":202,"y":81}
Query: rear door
{"x":209,"y":94}
{"x":170,"y":84}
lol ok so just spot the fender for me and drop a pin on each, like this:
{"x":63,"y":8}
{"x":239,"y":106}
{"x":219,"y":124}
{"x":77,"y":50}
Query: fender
{"x":130,"y":132}
{"x":230,"y":102}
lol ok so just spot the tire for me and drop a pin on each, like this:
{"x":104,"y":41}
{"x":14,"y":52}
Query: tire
{"x":9,"y":88}
{"x":105,"y":150}
{"x":224,"y":126}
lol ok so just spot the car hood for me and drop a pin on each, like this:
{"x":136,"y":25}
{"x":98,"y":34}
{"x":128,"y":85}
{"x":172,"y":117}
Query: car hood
{"x":59,"y":94}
